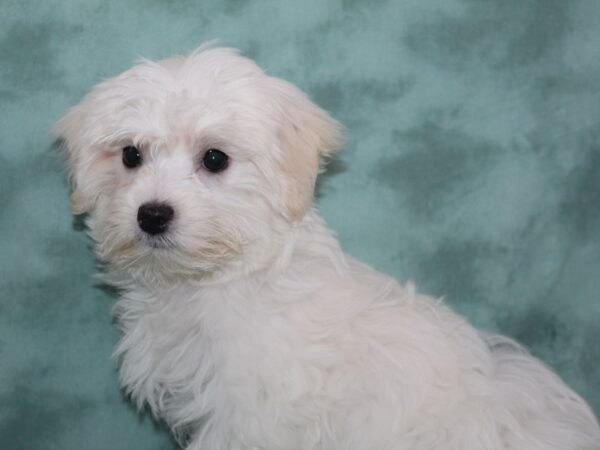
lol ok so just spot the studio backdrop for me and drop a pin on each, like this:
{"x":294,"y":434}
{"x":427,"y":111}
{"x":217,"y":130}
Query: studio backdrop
{"x":472,"y":167}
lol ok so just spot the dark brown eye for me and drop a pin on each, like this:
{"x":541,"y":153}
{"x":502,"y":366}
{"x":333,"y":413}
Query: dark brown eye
{"x":131,"y":157}
{"x":215,"y":160}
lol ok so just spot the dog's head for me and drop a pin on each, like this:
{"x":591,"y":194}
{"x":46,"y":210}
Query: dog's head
{"x":194,"y":165}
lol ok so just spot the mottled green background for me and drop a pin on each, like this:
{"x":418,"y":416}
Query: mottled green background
{"x":473,"y":167}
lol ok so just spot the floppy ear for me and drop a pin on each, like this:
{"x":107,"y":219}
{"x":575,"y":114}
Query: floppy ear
{"x":307,"y":135}
{"x":70,"y":130}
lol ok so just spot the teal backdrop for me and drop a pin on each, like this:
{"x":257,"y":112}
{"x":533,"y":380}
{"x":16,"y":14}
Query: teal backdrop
{"x":472,"y":167}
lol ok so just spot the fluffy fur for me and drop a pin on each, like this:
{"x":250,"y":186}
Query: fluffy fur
{"x":245,"y":326}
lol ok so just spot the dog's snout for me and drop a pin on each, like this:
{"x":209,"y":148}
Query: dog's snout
{"x":154,"y":218}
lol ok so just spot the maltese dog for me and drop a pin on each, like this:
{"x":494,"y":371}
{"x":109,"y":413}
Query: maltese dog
{"x":244,"y":324}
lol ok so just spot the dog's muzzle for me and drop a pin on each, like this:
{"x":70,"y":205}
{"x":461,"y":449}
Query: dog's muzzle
{"x":154,"y":218}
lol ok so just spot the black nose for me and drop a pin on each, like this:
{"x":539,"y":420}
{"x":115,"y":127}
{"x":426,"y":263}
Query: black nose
{"x":154,"y":218}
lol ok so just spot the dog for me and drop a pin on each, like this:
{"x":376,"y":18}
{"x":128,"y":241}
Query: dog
{"x":244,"y":324}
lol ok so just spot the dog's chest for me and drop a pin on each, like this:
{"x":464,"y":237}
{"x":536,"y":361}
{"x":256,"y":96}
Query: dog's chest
{"x":166,"y":356}
{"x":194,"y":359}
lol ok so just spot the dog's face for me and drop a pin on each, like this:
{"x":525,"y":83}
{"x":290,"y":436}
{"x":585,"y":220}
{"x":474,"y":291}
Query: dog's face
{"x":194,"y":166}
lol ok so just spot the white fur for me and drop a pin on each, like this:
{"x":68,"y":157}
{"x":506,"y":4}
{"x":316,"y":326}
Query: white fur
{"x":246,"y":326}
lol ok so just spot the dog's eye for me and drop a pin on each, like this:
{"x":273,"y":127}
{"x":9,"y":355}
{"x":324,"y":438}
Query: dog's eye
{"x":215,"y":160}
{"x":131,"y":157}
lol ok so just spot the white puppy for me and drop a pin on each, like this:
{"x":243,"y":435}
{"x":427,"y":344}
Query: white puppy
{"x":245,"y":326}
